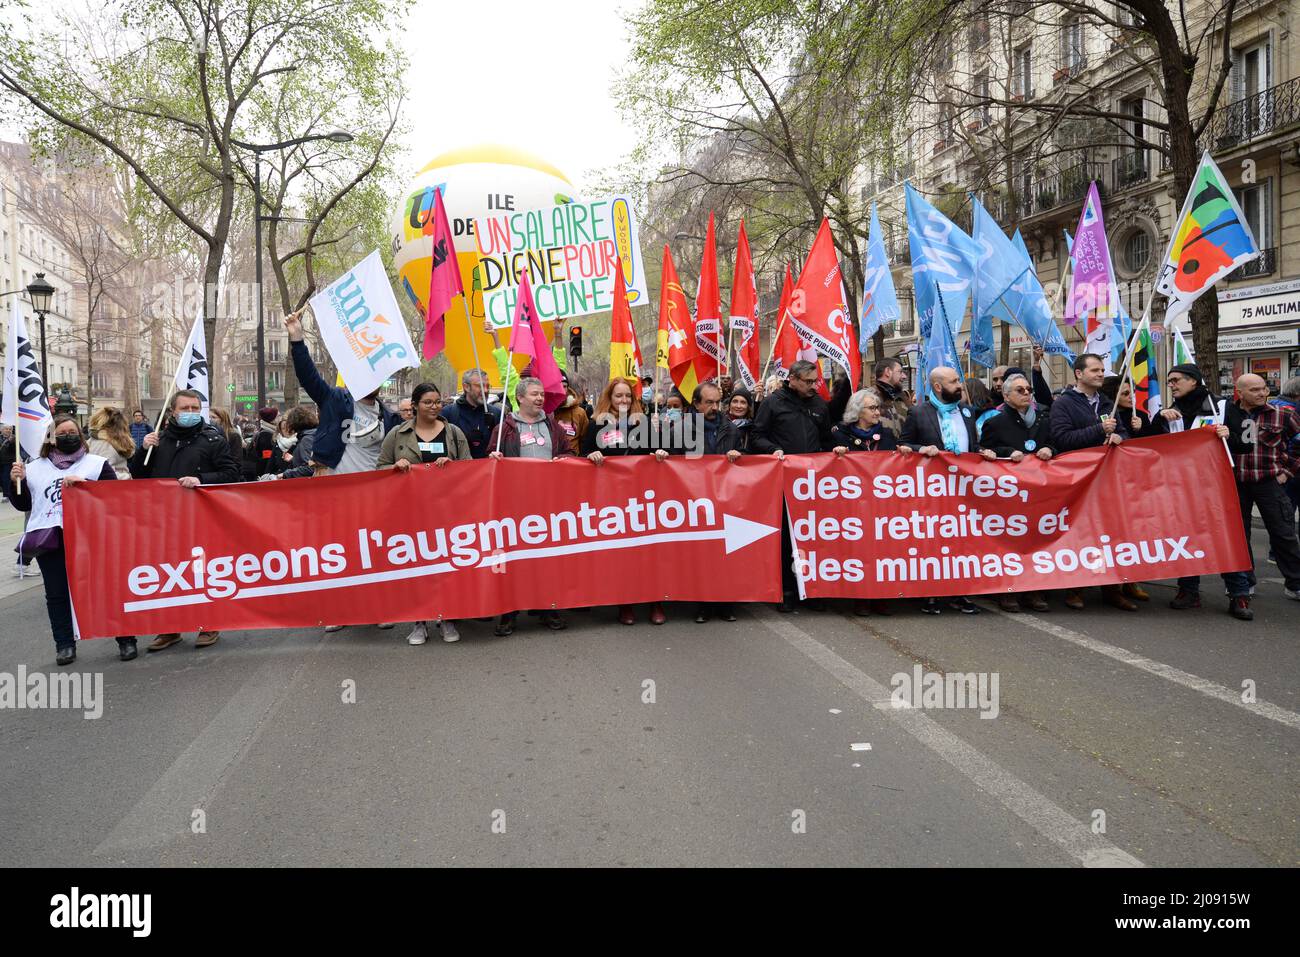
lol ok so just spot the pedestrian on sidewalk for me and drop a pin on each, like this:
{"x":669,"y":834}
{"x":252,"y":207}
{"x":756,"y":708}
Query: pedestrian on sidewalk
{"x":64,"y":460}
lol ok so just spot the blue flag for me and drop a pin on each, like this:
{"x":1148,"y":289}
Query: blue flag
{"x":997,"y":269}
{"x":940,"y":348}
{"x":1026,"y":305}
{"x":879,"y":301}
{"x":943,"y":269}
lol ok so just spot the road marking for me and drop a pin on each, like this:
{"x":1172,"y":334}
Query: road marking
{"x":1065,"y":831}
{"x":164,"y":813}
{"x":1206,"y":687}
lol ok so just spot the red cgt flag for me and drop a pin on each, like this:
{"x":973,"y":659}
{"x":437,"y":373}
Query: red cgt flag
{"x":789,"y":346}
{"x":708,"y":313}
{"x":821,"y":315}
{"x":744,"y":312}
{"x":444,"y":281}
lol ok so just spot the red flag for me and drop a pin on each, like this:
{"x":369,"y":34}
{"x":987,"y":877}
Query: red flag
{"x":708,"y":313}
{"x":624,"y":350}
{"x":821,"y":315}
{"x":744,"y":312}
{"x":528,"y":339}
{"x":677,"y":351}
{"x":444,"y":280}
{"x":790,"y":346}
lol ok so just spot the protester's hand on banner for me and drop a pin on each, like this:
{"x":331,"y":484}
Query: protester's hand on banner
{"x":1017,"y":455}
{"x":930,"y":451}
{"x":293,"y":325}
{"x":660,"y":455}
{"x":1114,"y":439}
{"x":596,"y":458}
{"x":1044,"y":454}
{"x":18,"y":472}
{"x":188,"y":481}
{"x":988,"y":454}
{"x":779,"y":455}
{"x":841,"y":450}
{"x":441,"y":463}
{"x":401,"y":465}
{"x":905,"y":449}
{"x":494,"y":454}
{"x":150,"y":440}
{"x":733,"y":455}
{"x":72,"y":480}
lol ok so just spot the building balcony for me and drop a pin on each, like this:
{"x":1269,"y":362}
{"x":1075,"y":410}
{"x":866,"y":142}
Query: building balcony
{"x":1129,"y":170}
{"x":1250,"y":118}
{"x":1265,"y":265}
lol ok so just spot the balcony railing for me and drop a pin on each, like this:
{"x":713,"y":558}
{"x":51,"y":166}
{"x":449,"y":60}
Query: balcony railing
{"x":1248,"y":119}
{"x":1129,"y":170}
{"x":1067,"y":186}
{"x":1265,"y":265}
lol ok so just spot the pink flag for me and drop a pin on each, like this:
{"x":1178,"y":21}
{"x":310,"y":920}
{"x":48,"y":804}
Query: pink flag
{"x":528,"y":339}
{"x":1090,"y":284}
{"x":444,"y":280}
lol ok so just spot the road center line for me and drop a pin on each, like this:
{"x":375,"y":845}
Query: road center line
{"x":1206,"y":687}
{"x":1065,"y":831}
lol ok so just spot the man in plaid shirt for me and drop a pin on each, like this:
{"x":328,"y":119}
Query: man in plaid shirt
{"x":1260,"y":437}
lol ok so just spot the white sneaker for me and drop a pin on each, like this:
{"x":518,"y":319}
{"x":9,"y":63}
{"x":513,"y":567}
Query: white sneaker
{"x":1293,"y":595}
{"x":330,"y":629}
{"x":384,"y":625}
{"x":449,"y":632}
{"x":419,"y":634}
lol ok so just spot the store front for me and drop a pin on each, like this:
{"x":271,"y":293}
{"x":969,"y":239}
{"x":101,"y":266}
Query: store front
{"x":1259,"y":332}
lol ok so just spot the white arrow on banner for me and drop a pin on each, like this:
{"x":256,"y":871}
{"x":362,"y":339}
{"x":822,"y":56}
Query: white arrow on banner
{"x":736,"y":533}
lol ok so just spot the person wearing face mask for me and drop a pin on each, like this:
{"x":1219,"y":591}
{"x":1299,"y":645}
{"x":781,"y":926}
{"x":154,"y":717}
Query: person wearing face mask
{"x":572,"y":415}
{"x":300,"y":422}
{"x":191,"y":450}
{"x":64,"y":460}
{"x":943,"y":423}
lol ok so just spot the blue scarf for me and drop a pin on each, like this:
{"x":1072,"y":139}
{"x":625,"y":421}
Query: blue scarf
{"x":947,"y":425}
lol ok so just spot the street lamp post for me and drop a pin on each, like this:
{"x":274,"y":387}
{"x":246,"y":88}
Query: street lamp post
{"x":41,"y":292}
{"x":334,"y":136}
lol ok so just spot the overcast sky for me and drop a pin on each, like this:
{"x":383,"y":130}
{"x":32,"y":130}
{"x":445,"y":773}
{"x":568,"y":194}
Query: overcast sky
{"x":532,"y":75}
{"x":526,"y":74}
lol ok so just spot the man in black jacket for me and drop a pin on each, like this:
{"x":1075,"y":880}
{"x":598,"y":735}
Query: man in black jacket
{"x":472,"y":415}
{"x":712,"y":431}
{"x":941,"y":422}
{"x":194,"y":452}
{"x":794,"y":419}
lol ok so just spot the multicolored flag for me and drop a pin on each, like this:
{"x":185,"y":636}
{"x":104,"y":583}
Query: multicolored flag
{"x":744,"y":312}
{"x":1143,"y":372}
{"x":1210,"y":240}
{"x":676,"y":350}
{"x":819,"y":310}
{"x":708,"y":310}
{"x":527,"y":338}
{"x":1183,"y":353}
{"x":997,"y":271}
{"x":879,"y":299}
{"x":444,"y":281}
{"x":943,"y":265}
{"x":26,"y":405}
{"x":624,"y":350}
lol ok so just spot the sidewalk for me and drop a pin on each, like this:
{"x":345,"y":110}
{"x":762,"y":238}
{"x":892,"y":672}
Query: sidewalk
{"x":11,"y":529}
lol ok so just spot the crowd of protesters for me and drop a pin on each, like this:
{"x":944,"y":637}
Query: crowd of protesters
{"x":1018,"y":418}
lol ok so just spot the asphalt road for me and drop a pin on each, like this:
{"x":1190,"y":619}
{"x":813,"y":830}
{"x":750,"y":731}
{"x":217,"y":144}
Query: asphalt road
{"x":1120,"y":739}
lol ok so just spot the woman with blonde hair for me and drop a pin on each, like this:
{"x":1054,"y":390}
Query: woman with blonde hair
{"x":112,"y":439}
{"x":234,"y":438}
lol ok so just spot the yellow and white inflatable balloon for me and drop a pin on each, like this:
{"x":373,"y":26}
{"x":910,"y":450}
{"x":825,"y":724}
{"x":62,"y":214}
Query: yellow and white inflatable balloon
{"x":476,"y":182}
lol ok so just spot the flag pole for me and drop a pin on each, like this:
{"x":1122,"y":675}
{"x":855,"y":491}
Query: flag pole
{"x":510,"y":364}
{"x":776,"y":337}
{"x":1129,"y":349}
{"x":473,"y":344}
{"x":157,"y":425}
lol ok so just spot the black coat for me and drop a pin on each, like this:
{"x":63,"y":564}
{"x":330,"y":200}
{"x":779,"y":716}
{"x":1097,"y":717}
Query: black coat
{"x":848,"y":436}
{"x":922,"y":427}
{"x":1074,"y":424}
{"x":791,"y":424}
{"x":203,"y":452}
{"x":1006,"y":432}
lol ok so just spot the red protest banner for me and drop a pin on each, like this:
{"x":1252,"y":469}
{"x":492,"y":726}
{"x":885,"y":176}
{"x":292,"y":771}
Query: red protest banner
{"x":886,"y":525}
{"x":472,"y":539}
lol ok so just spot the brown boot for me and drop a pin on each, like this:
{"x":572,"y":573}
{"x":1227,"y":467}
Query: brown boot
{"x":163,"y":641}
{"x":1115,"y":598}
{"x":1135,"y":591}
{"x":206,"y":638}
{"x":1009,"y":604}
{"x":1074,"y":600}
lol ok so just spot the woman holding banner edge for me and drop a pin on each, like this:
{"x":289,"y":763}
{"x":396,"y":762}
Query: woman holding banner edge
{"x":425,"y":439}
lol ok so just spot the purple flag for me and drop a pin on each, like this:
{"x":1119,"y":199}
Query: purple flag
{"x":1090,"y":282}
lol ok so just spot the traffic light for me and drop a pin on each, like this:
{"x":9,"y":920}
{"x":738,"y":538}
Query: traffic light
{"x":575,"y":341}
